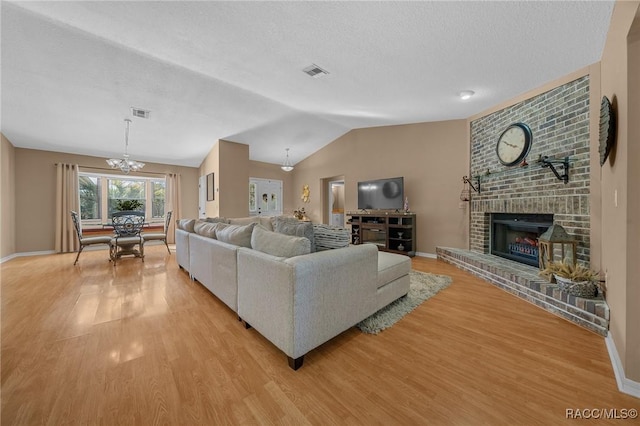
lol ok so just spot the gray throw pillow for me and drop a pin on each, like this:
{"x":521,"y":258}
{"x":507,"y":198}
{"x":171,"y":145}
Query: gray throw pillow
{"x":185,"y":224}
{"x":293,"y":227}
{"x":206,"y":229}
{"x":277,"y":244}
{"x":235,"y":234}
{"x":331,"y":237}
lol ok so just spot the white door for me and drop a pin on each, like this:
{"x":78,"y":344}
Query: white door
{"x":265,"y":197}
{"x":202,"y":197}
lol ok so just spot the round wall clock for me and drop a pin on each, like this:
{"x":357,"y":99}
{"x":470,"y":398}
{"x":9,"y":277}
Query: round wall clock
{"x":607,"y":129}
{"x":514,"y":144}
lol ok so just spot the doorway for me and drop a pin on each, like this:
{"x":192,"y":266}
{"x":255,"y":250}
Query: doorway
{"x":336,"y":202}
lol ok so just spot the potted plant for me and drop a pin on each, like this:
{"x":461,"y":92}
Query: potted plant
{"x":577,"y":280}
{"x":127,"y":205}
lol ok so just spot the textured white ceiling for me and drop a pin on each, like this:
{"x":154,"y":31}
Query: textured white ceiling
{"x":233,"y":70}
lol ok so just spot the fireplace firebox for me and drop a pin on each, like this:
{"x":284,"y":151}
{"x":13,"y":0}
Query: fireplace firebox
{"x":514,"y":236}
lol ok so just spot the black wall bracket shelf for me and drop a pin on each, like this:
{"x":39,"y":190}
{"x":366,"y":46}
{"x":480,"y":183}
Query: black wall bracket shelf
{"x":468,"y":181}
{"x":564,"y":164}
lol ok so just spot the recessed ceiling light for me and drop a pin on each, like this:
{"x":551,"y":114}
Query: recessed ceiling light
{"x":466,"y":94}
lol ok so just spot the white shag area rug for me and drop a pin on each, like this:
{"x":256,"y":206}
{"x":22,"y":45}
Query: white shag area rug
{"x":423,"y":285}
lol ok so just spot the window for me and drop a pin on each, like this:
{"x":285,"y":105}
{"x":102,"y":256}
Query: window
{"x":101,"y":195}
{"x":90,"y":200}
{"x":122,"y":190}
{"x":158,"y":188}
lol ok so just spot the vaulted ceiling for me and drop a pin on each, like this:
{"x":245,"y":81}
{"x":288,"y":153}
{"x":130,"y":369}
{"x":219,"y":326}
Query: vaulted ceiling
{"x":213,"y":70}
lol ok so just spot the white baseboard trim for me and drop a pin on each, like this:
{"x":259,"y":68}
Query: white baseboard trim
{"x":624,"y":385}
{"x":429,"y":255}
{"x":27,"y":253}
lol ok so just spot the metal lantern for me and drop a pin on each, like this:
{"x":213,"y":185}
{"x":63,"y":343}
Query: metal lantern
{"x":555,"y":240}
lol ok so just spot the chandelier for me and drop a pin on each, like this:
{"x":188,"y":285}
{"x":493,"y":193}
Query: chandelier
{"x":287,"y":167}
{"x":124,"y":163}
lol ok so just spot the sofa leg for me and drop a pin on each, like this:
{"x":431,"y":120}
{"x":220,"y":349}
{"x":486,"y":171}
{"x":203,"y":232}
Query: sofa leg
{"x":295,"y":363}
{"x":246,"y":324}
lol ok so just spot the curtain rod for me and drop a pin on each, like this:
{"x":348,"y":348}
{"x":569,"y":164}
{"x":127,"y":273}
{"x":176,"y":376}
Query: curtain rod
{"x":115,"y":170}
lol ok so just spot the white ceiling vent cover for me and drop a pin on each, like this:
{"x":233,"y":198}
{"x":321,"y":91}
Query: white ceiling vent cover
{"x":315,"y":71}
{"x":141,"y":113}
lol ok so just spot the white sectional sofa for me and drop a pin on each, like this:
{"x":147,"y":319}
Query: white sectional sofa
{"x":296,"y":301}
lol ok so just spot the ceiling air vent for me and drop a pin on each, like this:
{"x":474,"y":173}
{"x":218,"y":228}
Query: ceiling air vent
{"x":315,"y":71}
{"x":141,"y":113}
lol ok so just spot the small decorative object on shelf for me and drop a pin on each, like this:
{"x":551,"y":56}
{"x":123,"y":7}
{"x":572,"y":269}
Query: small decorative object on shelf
{"x":400,"y":247}
{"x":406,"y":204}
{"x":400,"y":234}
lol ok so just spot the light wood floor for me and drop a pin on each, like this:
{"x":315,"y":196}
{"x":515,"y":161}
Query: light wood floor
{"x":142,"y":344}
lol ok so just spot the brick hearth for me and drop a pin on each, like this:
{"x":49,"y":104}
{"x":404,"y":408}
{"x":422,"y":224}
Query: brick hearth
{"x":524,"y":282}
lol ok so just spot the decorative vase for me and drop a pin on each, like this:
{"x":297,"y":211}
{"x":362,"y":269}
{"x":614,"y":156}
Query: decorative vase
{"x":400,"y":234}
{"x":400,"y":247}
{"x":585,"y":289}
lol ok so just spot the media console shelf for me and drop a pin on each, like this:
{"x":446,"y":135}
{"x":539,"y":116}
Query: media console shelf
{"x":392,"y":232}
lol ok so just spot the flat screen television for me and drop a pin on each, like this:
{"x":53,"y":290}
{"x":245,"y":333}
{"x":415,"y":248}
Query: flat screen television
{"x":381,"y":194}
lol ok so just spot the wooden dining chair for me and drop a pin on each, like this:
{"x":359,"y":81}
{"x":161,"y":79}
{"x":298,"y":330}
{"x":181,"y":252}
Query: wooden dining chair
{"x":86,"y":241}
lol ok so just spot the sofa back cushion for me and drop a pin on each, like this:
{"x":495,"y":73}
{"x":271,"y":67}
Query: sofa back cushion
{"x":277,"y":244}
{"x":185,"y":224}
{"x":206,"y":229}
{"x":217,"y":220}
{"x":235,"y":234}
{"x":262,"y":220}
{"x":292,"y":226}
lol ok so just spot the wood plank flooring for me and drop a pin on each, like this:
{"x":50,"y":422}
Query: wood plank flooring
{"x":141,"y":344}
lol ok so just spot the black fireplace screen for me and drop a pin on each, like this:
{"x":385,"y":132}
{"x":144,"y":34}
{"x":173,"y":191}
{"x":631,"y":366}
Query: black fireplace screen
{"x":514,"y":236}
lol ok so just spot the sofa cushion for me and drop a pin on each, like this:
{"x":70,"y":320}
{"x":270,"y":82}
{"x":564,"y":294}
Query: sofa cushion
{"x":206,"y":229}
{"x":235,"y":234}
{"x":186,"y":224}
{"x":262,"y":220}
{"x":292,"y":226}
{"x":331,"y":237}
{"x":277,"y":244}
{"x":392,"y":266}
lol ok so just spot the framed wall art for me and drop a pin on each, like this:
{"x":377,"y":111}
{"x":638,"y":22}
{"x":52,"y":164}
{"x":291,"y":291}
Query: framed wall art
{"x":211,"y":193}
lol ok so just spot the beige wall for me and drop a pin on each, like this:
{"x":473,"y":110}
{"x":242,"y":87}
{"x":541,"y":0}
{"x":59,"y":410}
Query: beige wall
{"x":234,"y":179}
{"x":432,"y":158}
{"x":620,"y":252}
{"x":35,"y":180}
{"x":230,"y":163}
{"x":210,"y":164}
{"x":7,"y":198}
{"x":633,"y":223}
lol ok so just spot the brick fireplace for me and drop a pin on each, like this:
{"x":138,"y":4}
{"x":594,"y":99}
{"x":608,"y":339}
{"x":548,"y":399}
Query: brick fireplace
{"x":532,"y":193}
{"x":559,"y":120}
